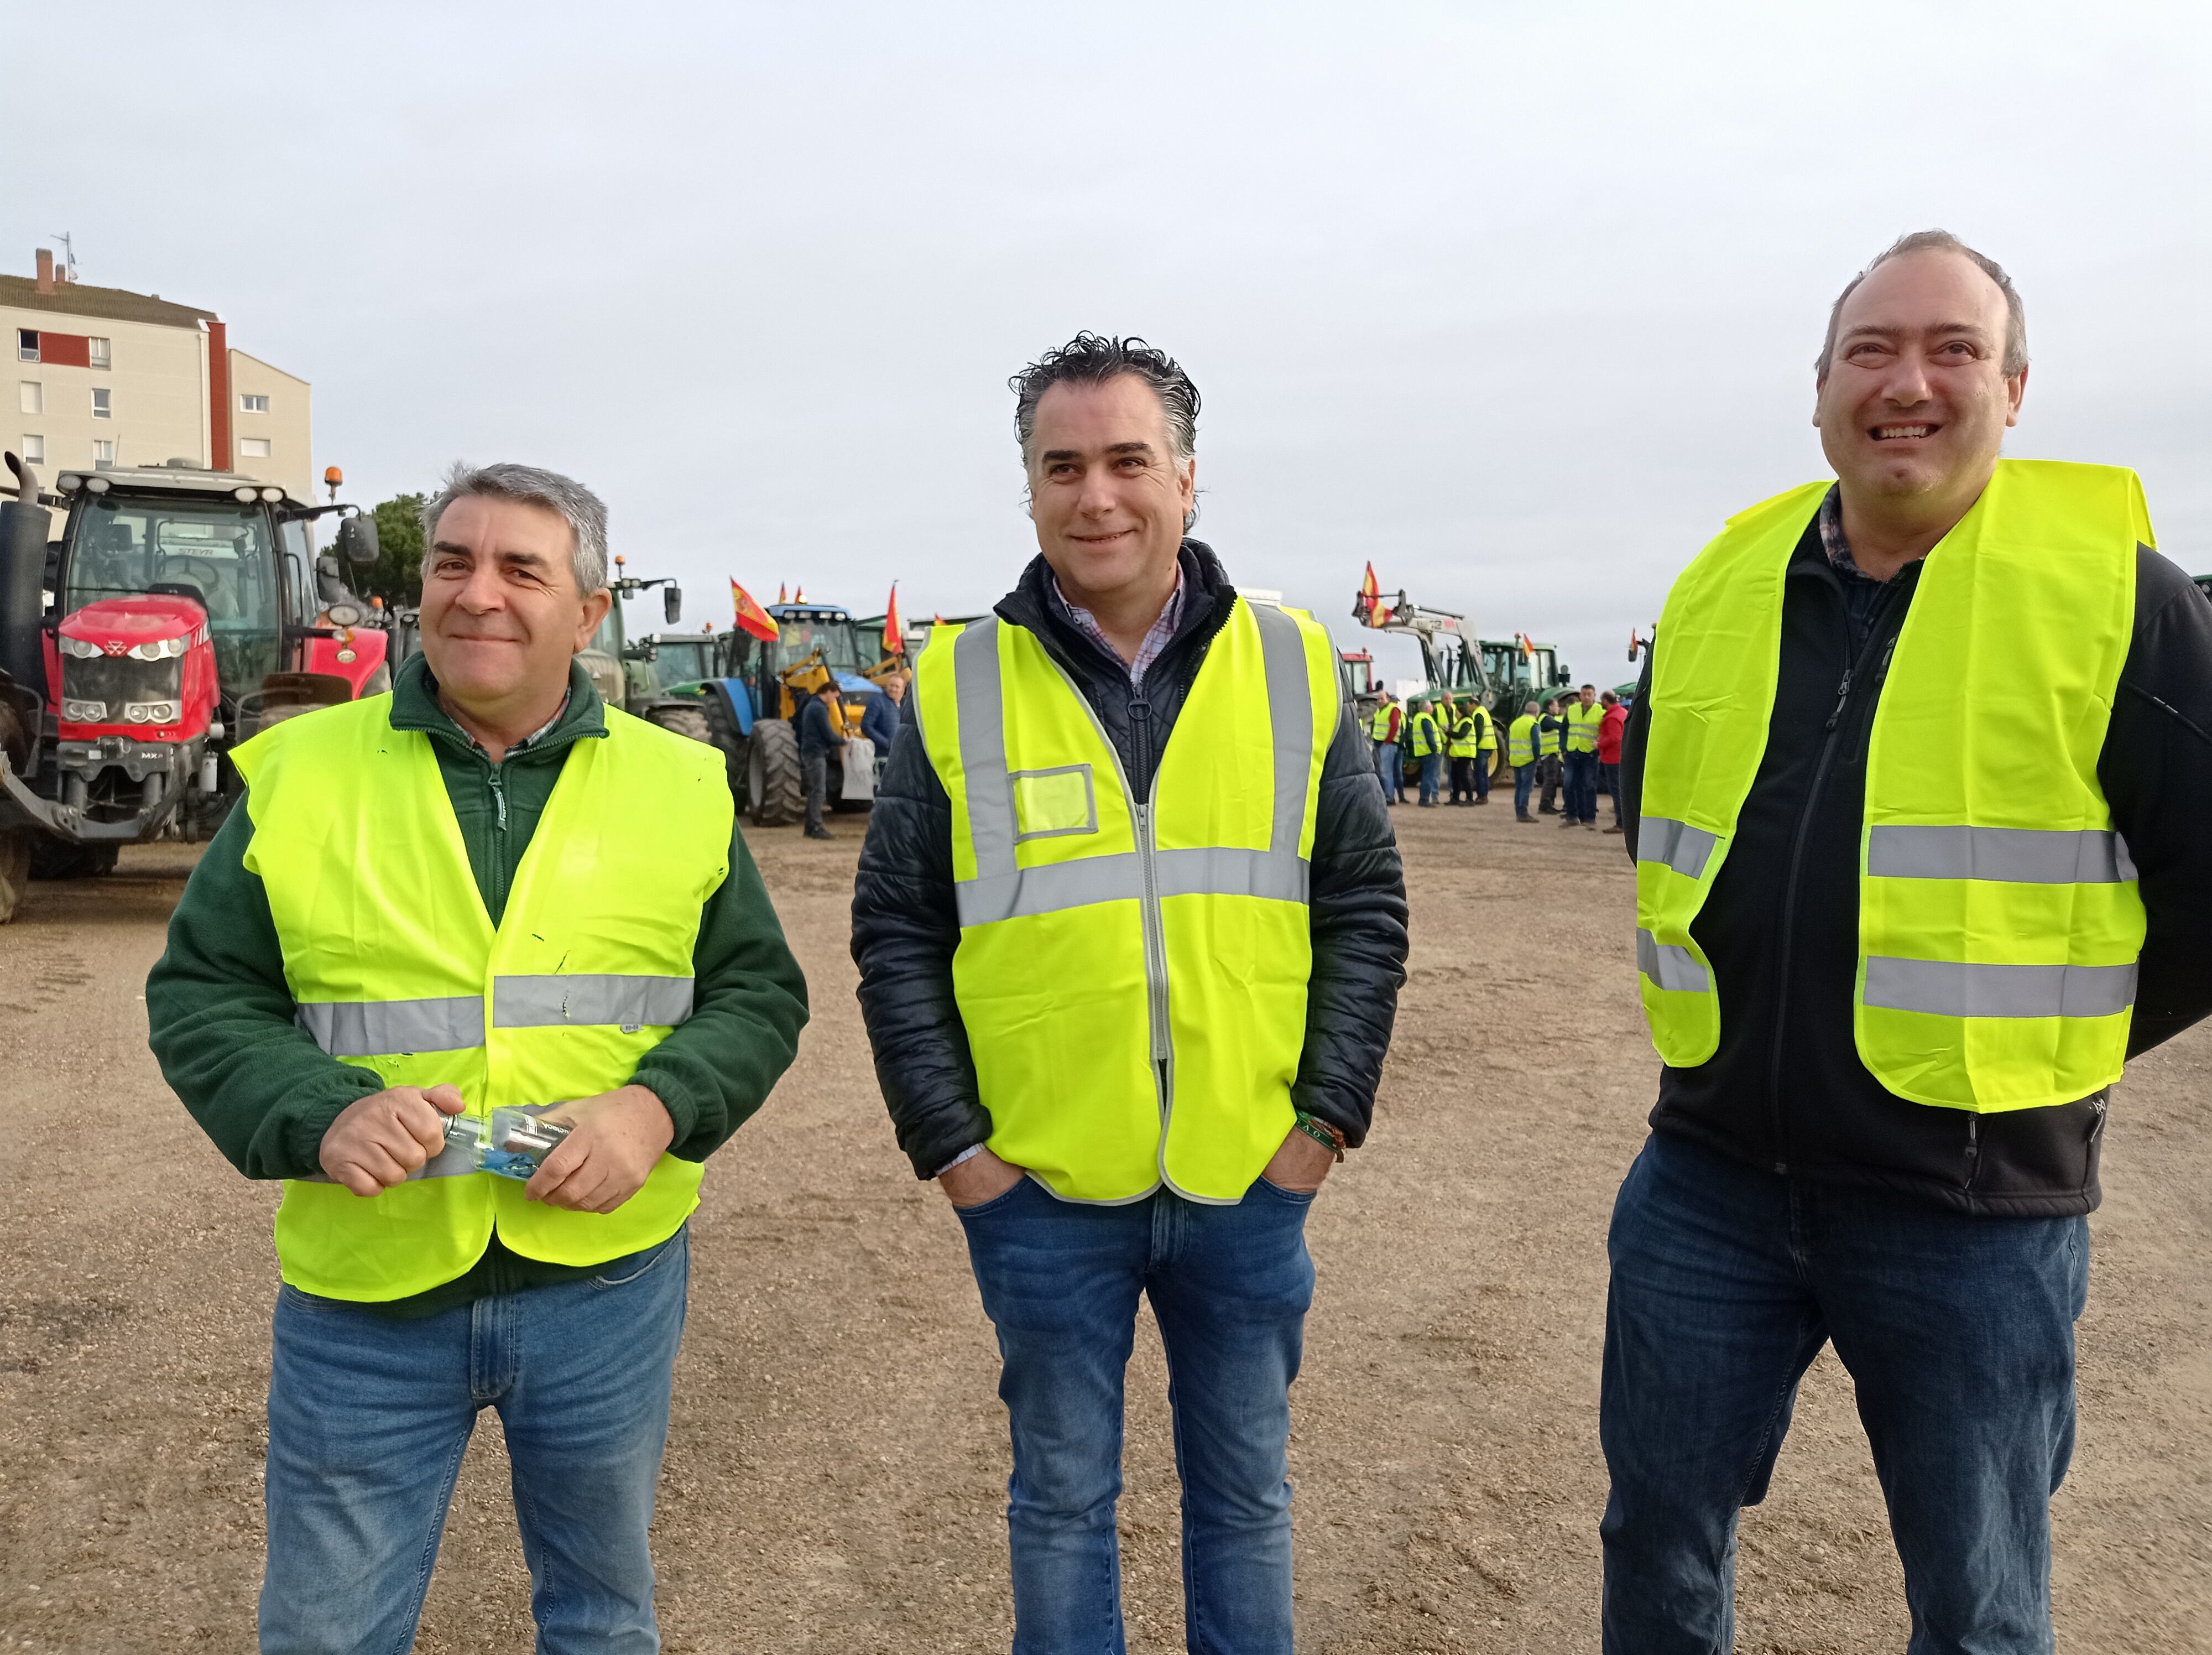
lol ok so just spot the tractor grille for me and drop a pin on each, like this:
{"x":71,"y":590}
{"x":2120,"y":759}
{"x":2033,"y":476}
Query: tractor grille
{"x":117,"y":690}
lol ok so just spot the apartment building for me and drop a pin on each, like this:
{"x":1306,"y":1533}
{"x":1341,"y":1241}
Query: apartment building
{"x":106,"y":378}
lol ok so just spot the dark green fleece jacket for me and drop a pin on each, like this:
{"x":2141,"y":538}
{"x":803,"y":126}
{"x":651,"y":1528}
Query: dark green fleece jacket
{"x":221,"y":1014}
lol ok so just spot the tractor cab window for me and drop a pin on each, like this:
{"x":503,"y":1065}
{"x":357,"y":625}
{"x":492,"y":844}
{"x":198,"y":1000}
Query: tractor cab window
{"x":219,"y":555}
{"x":835,"y":638}
{"x":681,"y":660}
{"x":608,"y":640}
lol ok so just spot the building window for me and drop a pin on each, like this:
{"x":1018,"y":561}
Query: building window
{"x":31,"y":398}
{"x":100,"y":407}
{"x":253,"y":447}
{"x":253,"y":404}
{"x":27,"y":344}
{"x":99,"y":352}
{"x":34,"y":451}
{"x":103,"y":453}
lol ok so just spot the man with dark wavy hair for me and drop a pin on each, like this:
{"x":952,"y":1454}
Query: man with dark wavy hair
{"x":1131,"y":928}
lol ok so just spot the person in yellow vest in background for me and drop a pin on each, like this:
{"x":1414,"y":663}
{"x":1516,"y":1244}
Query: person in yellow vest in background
{"x":1130,"y":928}
{"x":1425,"y":738}
{"x":1551,"y":754}
{"x":1582,"y":717}
{"x":1383,"y":728}
{"x":1521,"y":753}
{"x":1469,"y":725}
{"x":482,"y":891}
{"x":1918,"y":787}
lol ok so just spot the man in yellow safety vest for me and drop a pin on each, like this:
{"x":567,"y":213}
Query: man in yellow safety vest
{"x":435,"y":912}
{"x":1470,"y":726}
{"x":1582,"y":716}
{"x":1130,"y":927}
{"x":1521,"y":753}
{"x":1918,"y":787}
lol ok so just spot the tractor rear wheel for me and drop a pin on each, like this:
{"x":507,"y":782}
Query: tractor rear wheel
{"x":774,"y":787}
{"x":684,"y":721}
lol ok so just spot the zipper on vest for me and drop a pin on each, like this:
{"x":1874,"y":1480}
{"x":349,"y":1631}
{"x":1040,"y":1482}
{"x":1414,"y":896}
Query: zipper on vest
{"x":499,"y":840}
{"x":1796,"y":864}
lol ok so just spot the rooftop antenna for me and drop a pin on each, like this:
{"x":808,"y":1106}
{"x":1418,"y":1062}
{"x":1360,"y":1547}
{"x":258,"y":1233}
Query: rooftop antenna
{"x":69,"y":252}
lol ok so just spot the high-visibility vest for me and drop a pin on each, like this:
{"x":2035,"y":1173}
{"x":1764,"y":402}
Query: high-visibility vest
{"x":1132,"y":973}
{"x":1379,"y":726}
{"x":1427,"y":739}
{"x":1999,"y":918}
{"x":1548,"y":730}
{"x":1465,"y":742}
{"x":395,"y":966}
{"x":1582,"y":727}
{"x":1487,"y":729}
{"x":1521,"y":741}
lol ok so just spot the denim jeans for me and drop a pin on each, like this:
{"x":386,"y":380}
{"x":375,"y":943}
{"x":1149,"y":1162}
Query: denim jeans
{"x":1958,"y":1332}
{"x":1482,"y":762}
{"x":1432,"y":766}
{"x":1524,"y":783}
{"x":814,"y":772}
{"x":1608,"y":781}
{"x":1386,"y":766}
{"x":1581,"y":787}
{"x":368,"y":1415}
{"x":1230,"y":1287}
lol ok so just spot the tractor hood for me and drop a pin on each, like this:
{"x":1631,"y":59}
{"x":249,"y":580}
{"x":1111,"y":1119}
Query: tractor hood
{"x":149,"y":628}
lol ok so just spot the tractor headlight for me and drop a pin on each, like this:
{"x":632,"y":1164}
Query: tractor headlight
{"x":82,"y":648}
{"x":85,"y":712}
{"x":160,"y":650}
{"x":150,"y":712}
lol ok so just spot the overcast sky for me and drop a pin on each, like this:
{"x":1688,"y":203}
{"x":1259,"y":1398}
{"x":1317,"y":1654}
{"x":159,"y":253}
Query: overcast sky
{"x":1517,"y":301}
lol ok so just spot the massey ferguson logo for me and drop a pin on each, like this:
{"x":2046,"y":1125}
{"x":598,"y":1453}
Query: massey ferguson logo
{"x":116,"y":647}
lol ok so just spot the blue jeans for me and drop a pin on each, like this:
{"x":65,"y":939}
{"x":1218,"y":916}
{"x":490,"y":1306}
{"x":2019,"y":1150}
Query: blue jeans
{"x":1959,"y":1336}
{"x":367,"y":1418}
{"x":1581,"y":787}
{"x":1432,"y":765}
{"x":1230,"y":1287}
{"x":1524,"y":783}
{"x":1386,"y":766}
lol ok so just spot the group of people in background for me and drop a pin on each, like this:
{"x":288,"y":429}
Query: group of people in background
{"x":1567,"y":745}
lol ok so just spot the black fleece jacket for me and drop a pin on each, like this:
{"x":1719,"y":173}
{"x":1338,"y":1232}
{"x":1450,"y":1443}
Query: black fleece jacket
{"x":905,"y":924}
{"x":1787,"y":1090}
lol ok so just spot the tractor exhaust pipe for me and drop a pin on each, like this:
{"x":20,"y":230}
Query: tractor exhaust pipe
{"x":24,"y":526}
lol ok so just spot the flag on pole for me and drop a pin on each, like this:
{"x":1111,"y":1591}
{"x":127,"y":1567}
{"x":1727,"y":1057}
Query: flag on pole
{"x":1370,"y":595}
{"x":894,"y":634}
{"x":750,"y":616}
{"x":799,"y":596}
{"x":782,"y":592}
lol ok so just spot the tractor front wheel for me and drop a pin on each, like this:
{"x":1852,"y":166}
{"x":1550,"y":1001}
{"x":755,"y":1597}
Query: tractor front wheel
{"x":14,"y":869}
{"x":53,"y":859}
{"x":684,"y":722}
{"x":774,"y":787}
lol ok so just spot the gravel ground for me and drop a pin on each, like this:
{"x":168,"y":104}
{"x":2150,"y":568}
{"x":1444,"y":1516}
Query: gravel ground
{"x":836,"y":1469}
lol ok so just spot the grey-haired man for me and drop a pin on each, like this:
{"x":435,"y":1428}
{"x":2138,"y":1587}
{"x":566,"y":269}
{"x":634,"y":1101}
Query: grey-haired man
{"x":484,"y":888}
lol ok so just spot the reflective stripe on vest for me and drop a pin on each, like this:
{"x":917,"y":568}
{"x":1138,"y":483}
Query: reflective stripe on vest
{"x":1132,"y":974}
{"x":1582,"y":727}
{"x":1999,"y":918}
{"x":1379,"y":726}
{"x":395,"y":967}
{"x":1521,"y":742}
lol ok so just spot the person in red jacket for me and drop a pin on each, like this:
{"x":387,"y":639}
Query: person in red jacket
{"x":1609,"y":752}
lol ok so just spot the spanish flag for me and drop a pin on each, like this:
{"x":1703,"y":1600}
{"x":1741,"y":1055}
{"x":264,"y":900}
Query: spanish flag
{"x":894,"y":634}
{"x":750,"y":616}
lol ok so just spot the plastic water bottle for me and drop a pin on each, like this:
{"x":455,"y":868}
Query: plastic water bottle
{"x":509,"y":1145}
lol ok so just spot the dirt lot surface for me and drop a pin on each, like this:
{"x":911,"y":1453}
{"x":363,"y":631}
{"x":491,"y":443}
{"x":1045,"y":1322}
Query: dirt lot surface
{"x":836,"y":1471}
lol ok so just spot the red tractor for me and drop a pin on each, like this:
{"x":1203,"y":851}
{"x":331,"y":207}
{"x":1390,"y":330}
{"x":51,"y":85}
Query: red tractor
{"x":170,"y":614}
